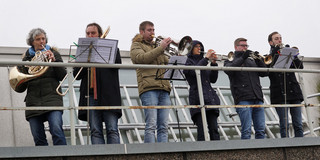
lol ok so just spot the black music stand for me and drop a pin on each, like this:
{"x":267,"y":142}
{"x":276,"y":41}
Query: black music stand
{"x":284,"y":61}
{"x":174,"y":74}
{"x":285,"y":58}
{"x":104,"y":50}
{"x":95,"y":50}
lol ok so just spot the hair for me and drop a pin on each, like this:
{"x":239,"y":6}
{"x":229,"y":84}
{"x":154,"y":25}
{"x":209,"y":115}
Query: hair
{"x":144,"y":24}
{"x":98,"y":27}
{"x":271,"y":34}
{"x":238,"y":40}
{"x":33,"y":33}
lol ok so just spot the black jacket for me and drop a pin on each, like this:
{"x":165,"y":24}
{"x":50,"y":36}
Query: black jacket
{"x":41,"y":91}
{"x":245,"y":85}
{"x":207,"y":77}
{"x":293,"y":89}
{"x":108,"y":88}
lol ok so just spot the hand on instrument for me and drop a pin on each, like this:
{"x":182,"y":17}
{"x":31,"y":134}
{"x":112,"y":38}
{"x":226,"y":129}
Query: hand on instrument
{"x":165,"y":42}
{"x":211,"y":55}
{"x":50,"y":55}
{"x":246,"y":54}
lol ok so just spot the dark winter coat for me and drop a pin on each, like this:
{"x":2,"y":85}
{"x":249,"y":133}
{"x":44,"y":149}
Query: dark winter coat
{"x":41,"y":91}
{"x":207,"y":77}
{"x":245,"y":85}
{"x":293,"y":89}
{"x":108,"y":88}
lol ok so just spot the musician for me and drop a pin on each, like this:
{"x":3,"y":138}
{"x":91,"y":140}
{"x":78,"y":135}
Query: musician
{"x":106,"y":93}
{"x":41,"y":91}
{"x":152,"y":92}
{"x":196,"y":58}
{"x":292,"y":94}
{"x":246,"y":90}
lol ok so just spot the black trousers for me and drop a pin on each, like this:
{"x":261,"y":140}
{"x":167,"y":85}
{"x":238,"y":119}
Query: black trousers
{"x":212,"y":126}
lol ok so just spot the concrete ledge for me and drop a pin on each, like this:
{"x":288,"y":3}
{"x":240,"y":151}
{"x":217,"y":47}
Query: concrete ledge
{"x":294,"y":148}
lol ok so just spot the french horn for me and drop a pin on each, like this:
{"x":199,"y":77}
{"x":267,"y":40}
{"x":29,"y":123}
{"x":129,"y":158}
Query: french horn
{"x":17,"y":77}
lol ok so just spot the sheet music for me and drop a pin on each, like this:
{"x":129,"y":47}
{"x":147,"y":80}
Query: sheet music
{"x":103,"y":51}
{"x":177,"y":73}
{"x":285,"y":59}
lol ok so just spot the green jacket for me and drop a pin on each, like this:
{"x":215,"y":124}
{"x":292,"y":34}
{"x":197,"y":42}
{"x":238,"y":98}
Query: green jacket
{"x":143,"y":52}
{"x":41,"y":91}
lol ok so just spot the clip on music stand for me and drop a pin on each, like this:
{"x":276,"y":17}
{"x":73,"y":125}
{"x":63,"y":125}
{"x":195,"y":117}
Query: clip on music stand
{"x":173,"y":74}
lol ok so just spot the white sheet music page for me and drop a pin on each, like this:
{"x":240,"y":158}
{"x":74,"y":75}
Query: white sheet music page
{"x":285,"y":58}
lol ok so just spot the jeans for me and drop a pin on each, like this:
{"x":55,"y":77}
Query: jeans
{"x":156,"y":118}
{"x":247,"y":115}
{"x":212,"y":125}
{"x":54,"y":119}
{"x":110,"y":119}
{"x":296,"y":120}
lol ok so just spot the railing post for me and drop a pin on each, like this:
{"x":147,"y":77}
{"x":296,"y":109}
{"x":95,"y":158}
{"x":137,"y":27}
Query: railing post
{"x":71,"y":106}
{"x":203,"y":109}
{"x":308,"y":109}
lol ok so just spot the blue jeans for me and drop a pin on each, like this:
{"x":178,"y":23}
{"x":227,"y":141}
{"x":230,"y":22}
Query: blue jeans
{"x":296,"y":120}
{"x":54,"y":119}
{"x":156,"y":118}
{"x":247,"y":115}
{"x":110,"y":119}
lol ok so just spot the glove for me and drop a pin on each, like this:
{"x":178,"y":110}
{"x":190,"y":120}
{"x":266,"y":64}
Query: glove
{"x":246,"y":54}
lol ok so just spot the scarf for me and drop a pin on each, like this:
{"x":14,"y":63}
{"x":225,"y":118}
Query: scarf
{"x":32,"y":52}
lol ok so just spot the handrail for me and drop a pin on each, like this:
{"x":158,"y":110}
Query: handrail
{"x":135,"y":66}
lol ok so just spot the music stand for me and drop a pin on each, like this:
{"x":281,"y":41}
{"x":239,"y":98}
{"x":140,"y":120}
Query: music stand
{"x":104,"y":50}
{"x":95,"y":50}
{"x":174,"y":74}
{"x":284,"y":61}
{"x":285,"y":58}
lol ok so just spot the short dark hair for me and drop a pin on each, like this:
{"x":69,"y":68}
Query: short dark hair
{"x":238,"y":40}
{"x":271,"y":34}
{"x":144,"y":24}
{"x":98,"y":27}
{"x":33,"y":33}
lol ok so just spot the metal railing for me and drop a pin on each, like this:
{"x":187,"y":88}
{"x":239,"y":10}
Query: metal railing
{"x":72,"y":107}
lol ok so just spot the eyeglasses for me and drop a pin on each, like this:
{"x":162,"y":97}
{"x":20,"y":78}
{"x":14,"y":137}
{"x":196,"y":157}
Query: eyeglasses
{"x":243,"y":45}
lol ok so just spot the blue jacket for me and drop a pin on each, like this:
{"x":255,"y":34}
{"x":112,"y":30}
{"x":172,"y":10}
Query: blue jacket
{"x":207,"y":77}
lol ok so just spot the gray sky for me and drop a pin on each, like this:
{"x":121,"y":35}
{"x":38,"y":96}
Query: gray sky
{"x":216,"y":23}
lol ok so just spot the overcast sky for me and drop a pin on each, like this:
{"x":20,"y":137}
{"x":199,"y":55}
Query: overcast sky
{"x":216,"y":23}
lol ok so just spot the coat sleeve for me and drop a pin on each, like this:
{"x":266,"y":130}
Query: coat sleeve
{"x":213,"y":74}
{"x":139,"y":56}
{"x":237,"y":62}
{"x":297,"y":63}
{"x":260,"y":63}
{"x":60,"y":72}
{"x":190,"y":62}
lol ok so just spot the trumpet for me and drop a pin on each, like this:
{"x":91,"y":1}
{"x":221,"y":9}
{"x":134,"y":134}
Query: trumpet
{"x":182,"y":47}
{"x":222,"y":57}
{"x":65,"y":77}
{"x":266,"y":59}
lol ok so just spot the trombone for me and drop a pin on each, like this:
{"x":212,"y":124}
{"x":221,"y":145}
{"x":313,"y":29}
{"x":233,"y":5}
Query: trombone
{"x":65,"y":77}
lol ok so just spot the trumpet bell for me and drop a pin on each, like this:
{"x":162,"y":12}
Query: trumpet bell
{"x":185,"y":45}
{"x":268,"y":59}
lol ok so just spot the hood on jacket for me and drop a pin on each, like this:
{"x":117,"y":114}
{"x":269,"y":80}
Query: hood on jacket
{"x":139,"y":38}
{"x":194,"y":43}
